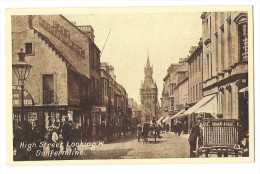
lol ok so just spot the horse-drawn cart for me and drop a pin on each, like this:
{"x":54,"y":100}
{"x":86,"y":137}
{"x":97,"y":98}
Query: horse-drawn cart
{"x":219,"y":136}
{"x":150,"y":131}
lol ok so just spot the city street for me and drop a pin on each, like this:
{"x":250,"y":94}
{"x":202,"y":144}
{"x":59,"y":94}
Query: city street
{"x":169,"y":146}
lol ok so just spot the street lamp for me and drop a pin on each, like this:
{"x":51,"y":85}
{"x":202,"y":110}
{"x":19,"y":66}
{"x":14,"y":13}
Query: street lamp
{"x":21,"y":70}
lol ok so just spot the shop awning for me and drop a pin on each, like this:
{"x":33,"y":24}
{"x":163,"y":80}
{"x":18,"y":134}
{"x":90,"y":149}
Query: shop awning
{"x":166,"y":118}
{"x":179,"y":114}
{"x":209,"y":107}
{"x":201,"y":103}
{"x":160,"y":119}
{"x":244,"y":89}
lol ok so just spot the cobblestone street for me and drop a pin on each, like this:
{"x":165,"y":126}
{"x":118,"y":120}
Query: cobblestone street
{"x":169,"y":146}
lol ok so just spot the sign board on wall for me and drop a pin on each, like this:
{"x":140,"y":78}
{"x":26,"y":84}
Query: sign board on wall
{"x":67,"y":38}
{"x":17,"y":98}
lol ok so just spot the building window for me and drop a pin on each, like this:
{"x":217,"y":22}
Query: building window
{"x":193,"y":92}
{"x":209,"y":61}
{"x":172,"y":89}
{"x":195,"y":65}
{"x":209,"y":27}
{"x":216,"y":52}
{"x":28,"y":48}
{"x":199,"y":61}
{"x":196,"y":92}
{"x":147,"y":118}
{"x":172,"y":104}
{"x":190,"y":69}
{"x":48,"y":88}
{"x":200,"y":90}
{"x":243,"y":41}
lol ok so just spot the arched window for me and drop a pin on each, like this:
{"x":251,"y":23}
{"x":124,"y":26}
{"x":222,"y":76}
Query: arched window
{"x":241,"y":21}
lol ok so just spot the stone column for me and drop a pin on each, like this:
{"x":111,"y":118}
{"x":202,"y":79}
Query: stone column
{"x":235,"y":102}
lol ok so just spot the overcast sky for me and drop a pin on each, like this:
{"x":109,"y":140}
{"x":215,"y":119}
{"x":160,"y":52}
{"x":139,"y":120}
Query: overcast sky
{"x":168,"y":37}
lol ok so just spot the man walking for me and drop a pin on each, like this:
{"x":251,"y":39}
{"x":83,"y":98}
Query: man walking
{"x":66,"y":132}
{"x":195,"y":133}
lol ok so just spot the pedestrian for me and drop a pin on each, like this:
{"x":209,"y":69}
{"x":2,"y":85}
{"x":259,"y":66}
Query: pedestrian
{"x":103,"y":130}
{"x":194,"y":137}
{"x":179,"y":127}
{"x":174,"y":129}
{"x":74,"y":137}
{"x":55,"y":143}
{"x":145,"y":132}
{"x":167,"y":127}
{"x":17,"y":139}
{"x":38,"y":137}
{"x":139,"y":132}
{"x":66,"y":132}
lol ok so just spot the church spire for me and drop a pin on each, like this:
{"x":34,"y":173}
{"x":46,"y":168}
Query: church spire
{"x":148,"y":61}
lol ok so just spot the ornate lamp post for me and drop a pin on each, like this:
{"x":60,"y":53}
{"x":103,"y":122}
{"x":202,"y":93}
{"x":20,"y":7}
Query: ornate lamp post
{"x":21,"y":70}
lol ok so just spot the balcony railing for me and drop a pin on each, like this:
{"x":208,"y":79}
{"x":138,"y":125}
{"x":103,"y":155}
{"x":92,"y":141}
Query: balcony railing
{"x":49,"y":97}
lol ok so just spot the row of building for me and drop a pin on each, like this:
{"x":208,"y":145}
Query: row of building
{"x":213,"y":79}
{"x":67,"y":77}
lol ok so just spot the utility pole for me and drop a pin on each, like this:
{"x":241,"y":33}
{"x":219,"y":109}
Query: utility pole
{"x":105,"y":43}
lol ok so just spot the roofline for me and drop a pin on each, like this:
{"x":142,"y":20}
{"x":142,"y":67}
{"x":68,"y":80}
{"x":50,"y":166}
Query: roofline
{"x":181,"y":82}
{"x":194,"y":54}
{"x":168,"y":74}
{"x":80,"y":31}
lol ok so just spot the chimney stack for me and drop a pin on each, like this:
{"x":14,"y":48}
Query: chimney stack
{"x":88,"y":31}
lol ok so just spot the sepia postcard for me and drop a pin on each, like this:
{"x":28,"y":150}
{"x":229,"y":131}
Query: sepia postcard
{"x":130,"y":85}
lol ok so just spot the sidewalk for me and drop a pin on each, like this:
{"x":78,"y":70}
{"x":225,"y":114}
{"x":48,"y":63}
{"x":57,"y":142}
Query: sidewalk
{"x":186,"y":136}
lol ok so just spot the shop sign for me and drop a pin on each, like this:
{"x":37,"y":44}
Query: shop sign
{"x":103,"y":109}
{"x":96,"y":109}
{"x":61,"y":33}
{"x":17,"y":98}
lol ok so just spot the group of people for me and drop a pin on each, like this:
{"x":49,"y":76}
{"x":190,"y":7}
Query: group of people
{"x":177,"y":128}
{"x":116,"y":130}
{"x":24,"y":134}
{"x":144,"y":129}
{"x":69,"y":132}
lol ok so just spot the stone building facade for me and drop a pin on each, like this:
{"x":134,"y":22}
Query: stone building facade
{"x":195,"y":62}
{"x":60,"y":82}
{"x":225,"y":62}
{"x":180,"y":91}
{"x":114,"y":96}
{"x":195,"y":74}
